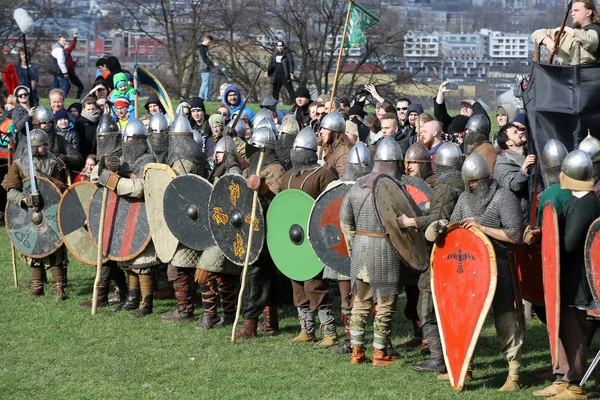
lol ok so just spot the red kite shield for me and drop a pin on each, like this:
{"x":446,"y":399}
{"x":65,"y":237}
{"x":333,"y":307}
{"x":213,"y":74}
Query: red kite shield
{"x":529,"y":266}
{"x":551,"y":274}
{"x":463,"y":277}
{"x":592,"y":259}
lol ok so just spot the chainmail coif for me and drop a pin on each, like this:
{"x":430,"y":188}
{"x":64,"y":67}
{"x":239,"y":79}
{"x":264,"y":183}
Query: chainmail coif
{"x":303,"y":160}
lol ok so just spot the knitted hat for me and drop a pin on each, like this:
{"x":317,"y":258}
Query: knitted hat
{"x":521,"y":118}
{"x":20,"y":87}
{"x":197,"y":103}
{"x":60,"y":114}
{"x":356,"y":110}
{"x":121,"y":102}
{"x":216,"y":119}
{"x":415,"y":107}
{"x":302,"y":91}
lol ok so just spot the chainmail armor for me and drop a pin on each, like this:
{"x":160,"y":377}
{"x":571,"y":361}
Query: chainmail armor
{"x":160,"y":145}
{"x":374,"y":253}
{"x":472,"y":141}
{"x":596,"y":172}
{"x":551,"y":176}
{"x":109,"y":145}
{"x":449,"y":175}
{"x":389,"y":168}
{"x":353,"y":171}
{"x":303,"y":160}
{"x":283,"y":147}
{"x":253,"y":154}
{"x":136,"y":155}
{"x":185,"y":148}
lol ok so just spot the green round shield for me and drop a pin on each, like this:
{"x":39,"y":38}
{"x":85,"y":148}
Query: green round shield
{"x":287,"y":235}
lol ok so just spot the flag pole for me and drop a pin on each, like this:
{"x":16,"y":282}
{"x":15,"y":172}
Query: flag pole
{"x":135,"y":83}
{"x":339,"y":61}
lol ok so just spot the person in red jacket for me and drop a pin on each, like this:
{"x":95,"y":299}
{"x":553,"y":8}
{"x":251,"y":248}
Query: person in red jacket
{"x":71,"y":64}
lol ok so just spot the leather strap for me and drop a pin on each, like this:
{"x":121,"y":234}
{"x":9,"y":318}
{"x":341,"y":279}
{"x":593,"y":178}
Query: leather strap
{"x":372,"y":234}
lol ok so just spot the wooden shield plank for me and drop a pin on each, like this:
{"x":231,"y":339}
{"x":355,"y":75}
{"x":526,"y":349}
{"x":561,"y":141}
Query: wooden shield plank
{"x":126,"y":229}
{"x":391,"y":200}
{"x":551,"y":276}
{"x":73,"y":222}
{"x":35,"y":234}
{"x":324,"y":230}
{"x":156,"y":178}
{"x":463,"y":277}
{"x":529,"y":267}
{"x":418,"y":190}
{"x":592,"y":259}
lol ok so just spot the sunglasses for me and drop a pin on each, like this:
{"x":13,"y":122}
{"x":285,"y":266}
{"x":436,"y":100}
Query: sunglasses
{"x":224,"y":114}
{"x":401,"y":108}
{"x":500,"y":115}
{"x":23,"y":95}
{"x":318,"y":114}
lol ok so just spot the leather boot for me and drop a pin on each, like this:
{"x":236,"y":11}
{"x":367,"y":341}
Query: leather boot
{"x":102,"y":298}
{"x":435,"y":363}
{"x":226,"y":320}
{"x":358,"y":356}
{"x":270,"y":324}
{"x":185,"y":308}
{"x":209,"y":320}
{"x":58,"y":275}
{"x":571,"y":392}
{"x":430,"y":365}
{"x":247,"y":331}
{"x":132,"y":303}
{"x":346,"y":348}
{"x":37,"y":281}
{"x":512,"y":381}
{"x":381,"y":359}
{"x":552,"y":390}
{"x":147,"y":292}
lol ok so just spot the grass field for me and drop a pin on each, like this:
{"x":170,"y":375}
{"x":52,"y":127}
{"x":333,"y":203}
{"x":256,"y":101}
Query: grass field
{"x":54,"y":350}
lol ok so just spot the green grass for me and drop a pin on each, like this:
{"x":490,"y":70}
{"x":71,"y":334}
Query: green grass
{"x":54,"y":350}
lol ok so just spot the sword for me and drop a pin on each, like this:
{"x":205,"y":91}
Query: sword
{"x":12,"y":246}
{"x":362,"y":172}
{"x":512,"y":262}
{"x":590,"y":369}
{"x":34,"y":190}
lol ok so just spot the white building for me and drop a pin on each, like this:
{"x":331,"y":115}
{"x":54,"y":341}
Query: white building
{"x":461,"y":46}
{"x":505,"y":45}
{"x":421,"y":45}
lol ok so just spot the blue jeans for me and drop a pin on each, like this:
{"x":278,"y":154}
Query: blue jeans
{"x":206,"y":86}
{"x":62,"y":82}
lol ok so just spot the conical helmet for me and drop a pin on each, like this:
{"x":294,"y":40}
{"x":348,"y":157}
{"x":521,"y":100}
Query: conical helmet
{"x":577,"y":165}
{"x":591,"y":145}
{"x":159,"y":123}
{"x":448,"y":155}
{"x":359,"y":154}
{"x":474,"y":169}
{"x":307,"y":139}
{"x":134,"y":128}
{"x":42,"y":114}
{"x":226,"y":145}
{"x":181,"y":125}
{"x":388,"y":150}
{"x":289,"y":125}
{"x":334,"y":122}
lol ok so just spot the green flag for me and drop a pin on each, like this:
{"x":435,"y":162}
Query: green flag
{"x":360,"y":20}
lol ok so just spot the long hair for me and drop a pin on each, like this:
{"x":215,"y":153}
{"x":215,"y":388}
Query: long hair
{"x":591,"y":5}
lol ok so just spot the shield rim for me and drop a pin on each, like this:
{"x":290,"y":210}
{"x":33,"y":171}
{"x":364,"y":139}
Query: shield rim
{"x":588,"y":259}
{"x":307,"y":196}
{"x":310,"y":216}
{"x":113,"y":258}
{"x":172,"y":174}
{"x":259,"y":211}
{"x":554,"y":343}
{"x":62,"y":241}
{"x":167,"y":224}
{"x":87,"y":215}
{"x":381,"y":223}
{"x":486,"y":306}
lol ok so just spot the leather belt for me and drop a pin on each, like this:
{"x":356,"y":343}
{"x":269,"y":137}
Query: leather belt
{"x":372,"y":234}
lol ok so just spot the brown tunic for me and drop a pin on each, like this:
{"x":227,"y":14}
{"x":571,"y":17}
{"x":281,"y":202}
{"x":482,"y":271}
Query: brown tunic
{"x":489,"y":152}
{"x":336,"y":156}
{"x":313,"y":182}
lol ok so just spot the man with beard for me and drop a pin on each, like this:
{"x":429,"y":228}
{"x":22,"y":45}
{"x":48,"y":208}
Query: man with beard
{"x":511,"y":170}
{"x":402,"y":109}
{"x":312,"y":295}
{"x":58,"y":147}
{"x":431,"y":136}
{"x":217,"y":276}
{"x":417,"y":162}
{"x":281,"y":70}
{"x":159,"y":138}
{"x":477,"y":134}
{"x":407,"y":135}
{"x":497,"y":213}
{"x":109,"y":148}
{"x":261,"y":282}
{"x":129,"y":182}
{"x":287,"y":134}
{"x":336,"y":145}
{"x":13,"y":184}
{"x":591,"y":146}
{"x":184,"y":157}
{"x":446,"y":191}
{"x":375,"y":264}
{"x":233,"y":100}
{"x":584,"y":34}
{"x":301,"y":110}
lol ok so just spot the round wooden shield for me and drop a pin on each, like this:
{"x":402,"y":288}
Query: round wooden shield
{"x":185,"y":208}
{"x":463,"y":277}
{"x":324,"y":231}
{"x":418,"y":190}
{"x":156,"y":178}
{"x":290,"y":249}
{"x":126,"y":229}
{"x":592,"y":259}
{"x":551,"y":275}
{"x":392,"y":200}
{"x":230,"y":213}
{"x":35,"y":234}
{"x":73,"y":222}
